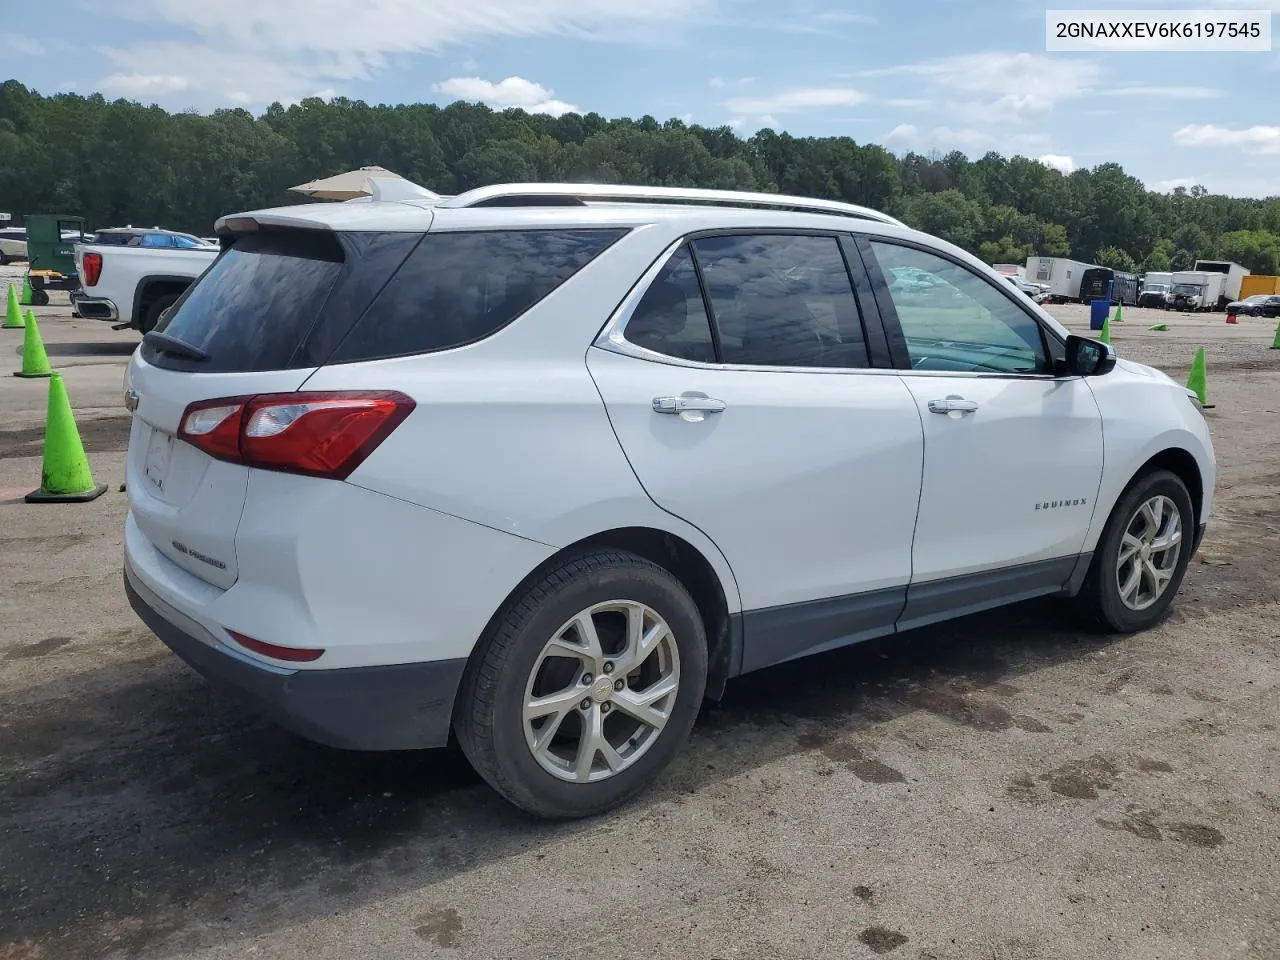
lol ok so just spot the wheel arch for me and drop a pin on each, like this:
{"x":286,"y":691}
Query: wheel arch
{"x":682,"y":560}
{"x":1182,"y":464}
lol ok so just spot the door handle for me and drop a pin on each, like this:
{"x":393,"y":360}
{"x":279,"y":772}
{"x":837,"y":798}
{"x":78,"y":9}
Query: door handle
{"x":953,"y":405}
{"x":678,"y":405}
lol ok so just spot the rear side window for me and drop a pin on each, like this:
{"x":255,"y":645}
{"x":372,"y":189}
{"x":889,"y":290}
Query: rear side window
{"x":258,"y":301}
{"x":457,"y":288}
{"x":782,"y":300}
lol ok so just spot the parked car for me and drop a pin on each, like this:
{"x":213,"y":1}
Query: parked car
{"x":1153,"y":295}
{"x":1033,"y":290}
{"x":13,"y":244}
{"x":1258,"y":305}
{"x":155,"y":237}
{"x":134,"y":282}
{"x":544,"y":465}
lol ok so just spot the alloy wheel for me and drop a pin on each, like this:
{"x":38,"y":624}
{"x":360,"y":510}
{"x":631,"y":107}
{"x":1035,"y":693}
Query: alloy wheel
{"x":601,"y":691}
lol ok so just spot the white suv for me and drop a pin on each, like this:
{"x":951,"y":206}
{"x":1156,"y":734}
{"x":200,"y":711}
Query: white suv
{"x":544,"y":465}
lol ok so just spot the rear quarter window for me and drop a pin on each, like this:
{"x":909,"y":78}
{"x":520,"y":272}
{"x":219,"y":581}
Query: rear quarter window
{"x":457,"y":288}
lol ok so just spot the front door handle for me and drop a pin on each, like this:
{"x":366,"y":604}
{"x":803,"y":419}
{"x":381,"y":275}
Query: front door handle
{"x":953,"y":405}
{"x":678,"y":405}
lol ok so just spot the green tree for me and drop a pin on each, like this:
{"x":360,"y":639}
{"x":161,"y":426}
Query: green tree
{"x":1116,"y":259}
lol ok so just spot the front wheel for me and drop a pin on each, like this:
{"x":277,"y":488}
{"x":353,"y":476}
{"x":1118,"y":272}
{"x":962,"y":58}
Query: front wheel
{"x":1142,"y":555}
{"x":585,"y":686}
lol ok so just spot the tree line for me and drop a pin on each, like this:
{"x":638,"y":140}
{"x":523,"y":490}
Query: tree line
{"x":118,"y":162}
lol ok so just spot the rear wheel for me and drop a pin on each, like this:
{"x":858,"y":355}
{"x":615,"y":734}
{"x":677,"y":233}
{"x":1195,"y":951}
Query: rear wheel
{"x":585,"y":687}
{"x":40,"y":298}
{"x":151,"y":316}
{"x":1142,"y":555}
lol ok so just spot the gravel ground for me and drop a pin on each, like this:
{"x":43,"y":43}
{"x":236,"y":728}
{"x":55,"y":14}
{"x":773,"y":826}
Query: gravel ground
{"x":1002,"y":787}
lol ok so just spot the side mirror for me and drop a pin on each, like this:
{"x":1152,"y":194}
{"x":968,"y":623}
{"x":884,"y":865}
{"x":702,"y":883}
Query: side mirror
{"x":1088,"y":358}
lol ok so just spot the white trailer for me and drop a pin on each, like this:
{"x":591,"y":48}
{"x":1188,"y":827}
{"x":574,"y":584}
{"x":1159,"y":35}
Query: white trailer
{"x":1060,"y":275}
{"x":1234,"y":273}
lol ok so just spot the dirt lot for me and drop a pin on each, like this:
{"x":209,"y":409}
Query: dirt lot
{"x":1004,"y":787}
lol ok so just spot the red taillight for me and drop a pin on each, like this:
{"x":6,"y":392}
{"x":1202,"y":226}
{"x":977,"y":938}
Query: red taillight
{"x":318,"y":434}
{"x":92,"y":264}
{"x":275,"y":651}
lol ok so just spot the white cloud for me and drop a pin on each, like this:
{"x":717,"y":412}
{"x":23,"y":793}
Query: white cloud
{"x":1256,"y":140}
{"x":907,"y":103}
{"x":511,"y":92}
{"x":1058,"y":161}
{"x":797,"y":100}
{"x":844,"y":16}
{"x":1161,"y":93}
{"x":717,"y":82}
{"x":1168,"y":186}
{"x":24,"y":45}
{"x":686,"y":119}
{"x":471,"y":65}
{"x":768,"y":121}
{"x":1004,"y":86}
{"x":1004,"y":74}
{"x":285,"y":49}
{"x":142,"y":84}
{"x":908,"y":136}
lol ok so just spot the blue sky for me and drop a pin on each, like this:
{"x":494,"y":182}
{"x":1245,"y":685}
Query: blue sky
{"x":909,"y":74}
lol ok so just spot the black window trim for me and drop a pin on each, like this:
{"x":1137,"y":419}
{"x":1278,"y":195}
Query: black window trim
{"x":612,"y":335}
{"x":893,"y":327}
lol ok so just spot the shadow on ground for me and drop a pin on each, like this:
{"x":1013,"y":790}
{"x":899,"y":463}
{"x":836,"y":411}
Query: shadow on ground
{"x":102,"y":348}
{"x":137,"y":802}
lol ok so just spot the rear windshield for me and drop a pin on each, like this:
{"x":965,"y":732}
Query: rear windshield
{"x":259,"y":300}
{"x":292,"y":299}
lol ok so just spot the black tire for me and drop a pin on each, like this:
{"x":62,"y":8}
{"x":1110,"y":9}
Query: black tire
{"x":4,"y":259}
{"x":1099,"y":599}
{"x":151,"y":316}
{"x":40,"y":298}
{"x":489,"y":715}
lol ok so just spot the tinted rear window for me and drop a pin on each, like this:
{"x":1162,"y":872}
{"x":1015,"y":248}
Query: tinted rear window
{"x":457,"y":288}
{"x":258,"y":301}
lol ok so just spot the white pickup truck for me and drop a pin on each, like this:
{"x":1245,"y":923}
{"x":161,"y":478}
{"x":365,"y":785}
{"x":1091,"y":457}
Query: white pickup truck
{"x":133,"y":283}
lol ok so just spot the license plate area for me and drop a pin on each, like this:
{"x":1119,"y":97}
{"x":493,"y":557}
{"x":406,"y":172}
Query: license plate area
{"x":156,"y":465}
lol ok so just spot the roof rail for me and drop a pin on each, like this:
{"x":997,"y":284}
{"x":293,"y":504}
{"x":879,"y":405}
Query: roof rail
{"x":510,"y":194}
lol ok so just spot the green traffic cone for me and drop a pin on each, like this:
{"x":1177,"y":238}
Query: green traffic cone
{"x":1161,"y":327}
{"x":1196,"y":382}
{"x":1119,"y":313}
{"x":1105,"y":335}
{"x":1276,"y":344}
{"x":26,"y":289}
{"x":65,"y":476}
{"x":12,"y":313}
{"x":35,"y":362}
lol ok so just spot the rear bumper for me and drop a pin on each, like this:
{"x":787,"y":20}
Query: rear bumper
{"x":398,"y":707}
{"x":93,"y":309}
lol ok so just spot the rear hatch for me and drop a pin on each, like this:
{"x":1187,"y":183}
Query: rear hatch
{"x":277,"y":305}
{"x":248,"y":327}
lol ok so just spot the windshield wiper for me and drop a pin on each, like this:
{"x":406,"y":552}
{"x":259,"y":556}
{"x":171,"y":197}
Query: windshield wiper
{"x":179,"y":348}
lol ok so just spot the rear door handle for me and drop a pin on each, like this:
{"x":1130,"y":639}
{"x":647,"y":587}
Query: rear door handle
{"x":953,"y":405}
{"x":678,"y":405}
